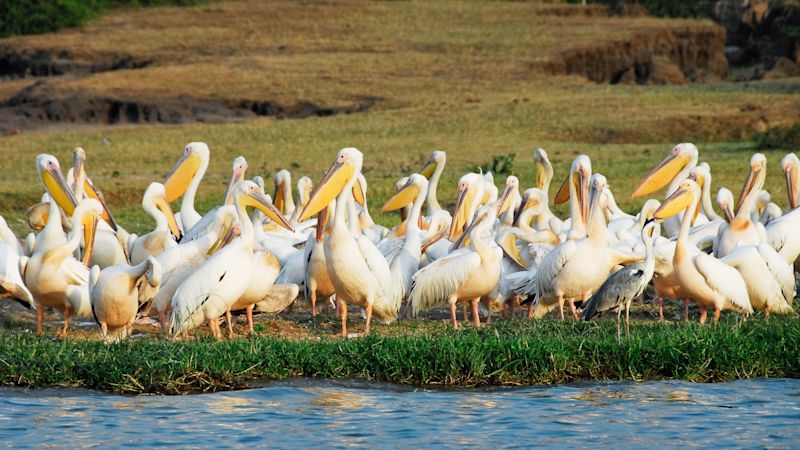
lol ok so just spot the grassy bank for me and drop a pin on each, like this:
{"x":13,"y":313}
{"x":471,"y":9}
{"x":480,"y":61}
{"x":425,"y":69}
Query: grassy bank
{"x":509,"y":353}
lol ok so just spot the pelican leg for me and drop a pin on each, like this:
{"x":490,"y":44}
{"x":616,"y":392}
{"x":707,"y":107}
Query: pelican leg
{"x":660,"y":309}
{"x":129,"y":328}
{"x":67,"y":315}
{"x":572,"y":309}
{"x":561,"y":307}
{"x":530,"y":311}
{"x":703,"y":315}
{"x":506,"y":309}
{"x":627,"y":318}
{"x":476,"y":319}
{"x":716,"y":315}
{"x":766,"y":313}
{"x":249,"y":312}
{"x":39,"y":318}
{"x":343,"y":313}
{"x":214,"y":325}
{"x":514,"y":304}
{"x":686,"y":310}
{"x":453,"y":317}
{"x":103,"y":330}
{"x":162,"y":321}
{"x":228,"y":319}
{"x":464,"y":312}
{"x":369,"y":318}
{"x":313,"y":303}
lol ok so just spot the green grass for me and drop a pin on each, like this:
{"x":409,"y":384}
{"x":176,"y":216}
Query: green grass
{"x":508,"y":353}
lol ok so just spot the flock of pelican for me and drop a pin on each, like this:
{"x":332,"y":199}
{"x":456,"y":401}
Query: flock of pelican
{"x":499,"y":249}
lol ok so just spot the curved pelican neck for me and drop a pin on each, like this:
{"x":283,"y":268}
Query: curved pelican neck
{"x":246,"y":226}
{"x":149,"y":206}
{"x":433,"y":183}
{"x":191,"y":191}
{"x":682,"y":244}
{"x":682,"y":175}
{"x":705,"y":199}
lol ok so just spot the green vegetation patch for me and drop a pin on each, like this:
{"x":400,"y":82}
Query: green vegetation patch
{"x":508,"y":353}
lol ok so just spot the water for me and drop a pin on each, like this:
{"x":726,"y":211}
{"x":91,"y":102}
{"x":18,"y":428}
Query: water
{"x":306,"y":413}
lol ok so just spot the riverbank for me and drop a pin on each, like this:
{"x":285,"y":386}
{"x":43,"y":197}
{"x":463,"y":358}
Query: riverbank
{"x":507,"y":353}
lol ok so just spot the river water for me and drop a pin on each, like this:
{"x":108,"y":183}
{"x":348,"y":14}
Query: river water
{"x":314,"y":413}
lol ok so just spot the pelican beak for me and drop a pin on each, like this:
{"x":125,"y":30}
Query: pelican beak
{"x":93,"y":192}
{"x":460,"y":218}
{"x":465,"y":234}
{"x":728,"y":212}
{"x":747,"y":187}
{"x":700,"y":182}
{"x":594,"y":203}
{"x":236,"y":176}
{"x":227,"y":233}
{"x":403,"y":197}
{"x":675,"y":203}
{"x":791,"y":175}
{"x":331,"y":185}
{"x":509,"y":245}
{"x":505,"y":201}
{"x":89,"y":230}
{"x":59,"y":191}
{"x":261,"y":202}
{"x":540,"y":176}
{"x":77,"y":165}
{"x":322,"y":219}
{"x":433,"y":240}
{"x":359,"y":193}
{"x":662,"y":174}
{"x":280,"y":200}
{"x":181,"y":175}
{"x":172,"y":224}
{"x":428,"y":168}
{"x":523,"y":206}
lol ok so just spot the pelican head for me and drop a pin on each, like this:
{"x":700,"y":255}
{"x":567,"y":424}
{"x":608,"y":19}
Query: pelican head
{"x":534,"y":201}
{"x":194,"y":156}
{"x":78,"y":158}
{"x":576,"y":186}
{"x":348,"y":162}
{"x":259,"y":180}
{"x":544,"y":170}
{"x":679,"y":157}
{"x":598,"y":186}
{"x":86,"y":215}
{"x":304,"y":187}
{"x":247,"y":193}
{"x":156,"y":194}
{"x":687,"y":192}
{"x":416,"y":184}
{"x":283,"y":182}
{"x":725,"y":202}
{"x":508,"y":196}
{"x":755,"y":178}
{"x":649,"y":208}
{"x":486,"y":214}
{"x":436,"y":160}
{"x":238,"y":170}
{"x":763,"y":199}
{"x":791,"y":171}
{"x":469,"y":195}
{"x":53,"y":180}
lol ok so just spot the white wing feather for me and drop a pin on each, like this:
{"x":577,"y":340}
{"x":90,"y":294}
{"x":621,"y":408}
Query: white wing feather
{"x":725,"y":280}
{"x":439,"y":280}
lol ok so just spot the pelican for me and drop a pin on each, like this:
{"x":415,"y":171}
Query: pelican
{"x":544,"y":176}
{"x":510,"y":201}
{"x":432,"y":170}
{"x":464,"y":275}
{"x":317,"y":282}
{"x":114,"y":294}
{"x":184,"y":179}
{"x":179,"y":262}
{"x":742,"y":230}
{"x":709,"y":282}
{"x":769,"y":279}
{"x":166,"y":232}
{"x":626,"y":284}
{"x":791,"y":171}
{"x":357,"y":269}
{"x":225,"y":277}
{"x":304,"y":188}
{"x":368,"y":226}
{"x":82,"y":185}
{"x":672,"y":170}
{"x":577,"y":267}
{"x":51,"y":271}
{"x":11,"y":265}
{"x":283,"y":193}
{"x":725,"y":202}
{"x":766,"y":211}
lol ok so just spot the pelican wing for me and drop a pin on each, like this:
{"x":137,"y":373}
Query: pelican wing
{"x":375,"y":261}
{"x":75,"y":272}
{"x":551,"y":267}
{"x":390,"y":248}
{"x":438,"y":281}
{"x":11,"y":269}
{"x":293,"y":271}
{"x":725,"y":280}
{"x":780,"y":270}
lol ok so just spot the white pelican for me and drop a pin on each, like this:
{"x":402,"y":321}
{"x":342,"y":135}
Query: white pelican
{"x":510,"y":201}
{"x":178,"y":262}
{"x":708,"y":281}
{"x":725,"y":202}
{"x":742,"y":230}
{"x":114,"y":294}
{"x":11,"y":265}
{"x":184,"y":179}
{"x":577,"y":267}
{"x":367,"y":226}
{"x":357,"y":269}
{"x":238,"y":169}
{"x":766,"y":211}
{"x":464,"y":275}
{"x":791,"y":172}
{"x":769,"y":279}
{"x":544,"y":176}
{"x":166,"y":232}
{"x":50,"y":271}
{"x":672,"y":170}
{"x":82,"y":185}
{"x":626,"y":284}
{"x":432,"y":170}
{"x":316,"y":281}
{"x":283,"y":198}
{"x":225,"y":277}
{"x":304,"y":188}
